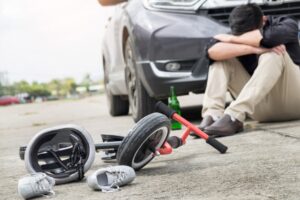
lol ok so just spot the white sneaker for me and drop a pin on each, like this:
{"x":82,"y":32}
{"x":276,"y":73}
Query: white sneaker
{"x":34,"y":185}
{"x":111,"y":178}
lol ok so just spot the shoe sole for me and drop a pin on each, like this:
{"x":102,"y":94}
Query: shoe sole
{"x":222,"y":134}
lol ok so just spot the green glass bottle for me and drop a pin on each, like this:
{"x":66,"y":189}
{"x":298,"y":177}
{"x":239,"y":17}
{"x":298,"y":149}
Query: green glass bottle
{"x":174,"y":104}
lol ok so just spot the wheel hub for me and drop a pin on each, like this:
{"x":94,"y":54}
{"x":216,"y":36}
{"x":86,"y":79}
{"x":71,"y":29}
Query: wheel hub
{"x":148,"y":148}
{"x":131,"y":81}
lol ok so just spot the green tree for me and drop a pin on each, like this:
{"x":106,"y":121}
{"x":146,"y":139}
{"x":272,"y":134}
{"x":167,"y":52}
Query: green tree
{"x":35,"y":89}
{"x":22,"y":87}
{"x":1,"y":90}
{"x":55,"y":86}
{"x":39,"y":90}
{"x":87,"y":81}
{"x":68,"y":86}
{"x":3,"y":83}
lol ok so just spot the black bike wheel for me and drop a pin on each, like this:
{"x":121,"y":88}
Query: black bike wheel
{"x":139,"y":146}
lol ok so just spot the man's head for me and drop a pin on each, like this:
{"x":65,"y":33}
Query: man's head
{"x":245,"y":18}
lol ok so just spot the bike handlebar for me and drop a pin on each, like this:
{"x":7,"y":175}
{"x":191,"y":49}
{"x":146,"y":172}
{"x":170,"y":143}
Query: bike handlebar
{"x":164,"y":109}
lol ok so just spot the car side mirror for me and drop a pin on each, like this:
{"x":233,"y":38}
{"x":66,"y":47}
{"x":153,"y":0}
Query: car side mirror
{"x":110,"y":2}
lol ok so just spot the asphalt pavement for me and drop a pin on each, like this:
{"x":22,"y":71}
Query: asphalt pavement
{"x":262,"y":163}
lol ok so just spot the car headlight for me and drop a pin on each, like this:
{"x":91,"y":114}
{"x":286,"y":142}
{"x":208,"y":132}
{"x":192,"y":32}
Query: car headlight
{"x":174,"y":5}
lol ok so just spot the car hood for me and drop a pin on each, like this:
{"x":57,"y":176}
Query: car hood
{"x":229,"y":3}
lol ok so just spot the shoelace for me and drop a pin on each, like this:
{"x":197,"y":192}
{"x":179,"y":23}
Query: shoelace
{"x":114,"y":186}
{"x":43,"y":184}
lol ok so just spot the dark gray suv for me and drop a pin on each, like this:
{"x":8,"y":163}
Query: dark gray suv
{"x":151,"y":45}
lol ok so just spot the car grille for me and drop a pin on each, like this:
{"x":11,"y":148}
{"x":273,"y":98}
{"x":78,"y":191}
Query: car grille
{"x":290,"y":9}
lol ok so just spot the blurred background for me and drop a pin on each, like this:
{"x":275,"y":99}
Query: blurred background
{"x":50,"y":48}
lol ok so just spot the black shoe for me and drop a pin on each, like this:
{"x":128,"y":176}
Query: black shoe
{"x":206,"y":121}
{"x":224,"y":127}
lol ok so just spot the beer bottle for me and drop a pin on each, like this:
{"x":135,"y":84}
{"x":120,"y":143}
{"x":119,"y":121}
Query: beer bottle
{"x":173,"y":103}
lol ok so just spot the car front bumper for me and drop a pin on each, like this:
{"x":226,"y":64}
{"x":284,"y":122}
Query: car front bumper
{"x":158,"y":82}
{"x":160,"y":38}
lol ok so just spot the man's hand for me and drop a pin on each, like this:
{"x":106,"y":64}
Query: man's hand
{"x":224,"y":37}
{"x":280,"y":49}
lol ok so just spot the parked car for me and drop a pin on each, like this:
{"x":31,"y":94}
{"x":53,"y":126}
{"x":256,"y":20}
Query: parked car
{"x":151,"y":45}
{"x":8,"y":100}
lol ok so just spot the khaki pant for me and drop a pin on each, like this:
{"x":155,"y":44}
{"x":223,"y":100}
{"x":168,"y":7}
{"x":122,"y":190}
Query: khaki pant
{"x":272,"y":93}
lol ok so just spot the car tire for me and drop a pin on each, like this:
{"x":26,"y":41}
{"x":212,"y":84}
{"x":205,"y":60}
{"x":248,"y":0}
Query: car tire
{"x":141,"y":104}
{"x":117,"y":105}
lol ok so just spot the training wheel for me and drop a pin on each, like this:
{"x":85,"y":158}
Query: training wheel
{"x":146,"y":137}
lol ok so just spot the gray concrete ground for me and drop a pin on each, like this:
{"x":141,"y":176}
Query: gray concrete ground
{"x":263,"y":163}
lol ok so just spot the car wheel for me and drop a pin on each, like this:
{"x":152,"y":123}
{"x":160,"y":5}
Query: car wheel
{"x":116,"y":104}
{"x":141,"y":104}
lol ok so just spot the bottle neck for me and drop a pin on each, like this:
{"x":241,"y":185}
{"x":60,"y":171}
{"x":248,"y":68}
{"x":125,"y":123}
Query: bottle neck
{"x":173,"y":95}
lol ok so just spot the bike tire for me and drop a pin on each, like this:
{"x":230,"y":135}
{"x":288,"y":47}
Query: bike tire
{"x":150,"y":132}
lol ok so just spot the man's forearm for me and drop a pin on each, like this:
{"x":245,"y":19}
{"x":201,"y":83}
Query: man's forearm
{"x":251,"y":38}
{"x":223,"y":51}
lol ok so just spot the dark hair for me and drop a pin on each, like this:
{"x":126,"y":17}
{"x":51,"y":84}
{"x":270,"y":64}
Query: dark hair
{"x":245,"y":18}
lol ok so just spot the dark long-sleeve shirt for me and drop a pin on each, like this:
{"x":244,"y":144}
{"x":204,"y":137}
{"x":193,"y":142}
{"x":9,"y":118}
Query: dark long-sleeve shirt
{"x":277,"y":30}
{"x":282,"y":30}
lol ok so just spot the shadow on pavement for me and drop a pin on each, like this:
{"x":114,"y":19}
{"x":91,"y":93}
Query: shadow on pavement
{"x":192,"y":113}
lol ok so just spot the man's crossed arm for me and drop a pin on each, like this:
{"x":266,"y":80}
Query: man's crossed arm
{"x":231,"y":46}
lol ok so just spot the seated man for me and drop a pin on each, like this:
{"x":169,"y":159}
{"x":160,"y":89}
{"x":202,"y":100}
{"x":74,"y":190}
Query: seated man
{"x":259,"y":65}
